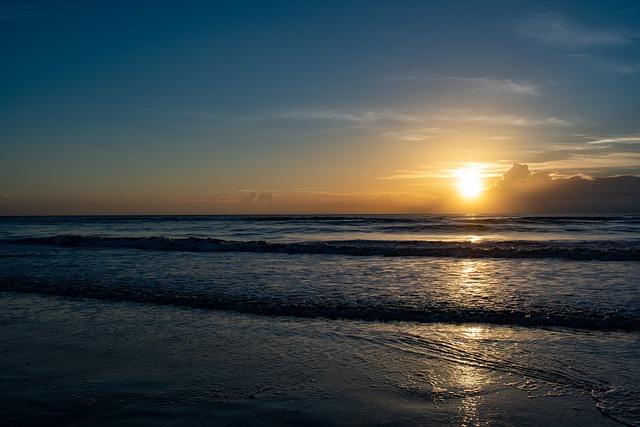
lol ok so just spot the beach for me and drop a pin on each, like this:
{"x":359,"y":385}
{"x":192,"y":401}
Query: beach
{"x":88,"y":362}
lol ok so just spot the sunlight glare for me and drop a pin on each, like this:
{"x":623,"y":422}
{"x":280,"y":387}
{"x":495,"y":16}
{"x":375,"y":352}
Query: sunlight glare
{"x":469,"y":183}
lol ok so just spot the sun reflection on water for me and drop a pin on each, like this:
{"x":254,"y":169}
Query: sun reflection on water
{"x":468,"y":268}
{"x":474,"y":332}
{"x":460,"y":375}
{"x":472,"y":285}
{"x":472,"y":289}
{"x":474,"y":239}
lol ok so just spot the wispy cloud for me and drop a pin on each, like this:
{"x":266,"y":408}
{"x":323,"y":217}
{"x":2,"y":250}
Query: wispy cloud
{"x":418,"y":125}
{"x":626,"y":69}
{"x":486,"y":84}
{"x":605,"y":64}
{"x":11,"y":196}
{"x":412,"y":174}
{"x":501,"y":119}
{"x":557,"y":30}
{"x":355,"y":115}
{"x":101,"y":145}
{"x":605,"y":163}
{"x":420,"y":134}
{"x":422,"y":125}
{"x":520,"y":121}
{"x":617,"y":140}
{"x":447,"y":170}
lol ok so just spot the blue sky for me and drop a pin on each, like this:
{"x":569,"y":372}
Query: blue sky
{"x":310,"y":106}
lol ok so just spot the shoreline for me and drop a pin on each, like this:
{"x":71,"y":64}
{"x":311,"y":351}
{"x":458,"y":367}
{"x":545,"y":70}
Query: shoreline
{"x":90,"y":363}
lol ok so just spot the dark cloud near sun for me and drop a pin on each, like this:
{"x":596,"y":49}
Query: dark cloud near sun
{"x":524,"y":191}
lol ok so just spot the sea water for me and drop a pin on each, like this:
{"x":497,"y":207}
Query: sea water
{"x":486,"y":287}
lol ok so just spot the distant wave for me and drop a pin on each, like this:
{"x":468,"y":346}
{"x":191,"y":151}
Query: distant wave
{"x":572,"y":250}
{"x":570,"y":317}
{"x":368,"y":219}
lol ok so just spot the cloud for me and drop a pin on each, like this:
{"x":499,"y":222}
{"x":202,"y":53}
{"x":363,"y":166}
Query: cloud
{"x":101,"y":145}
{"x":505,"y":86}
{"x":617,"y":140}
{"x":11,"y":196}
{"x":501,"y":119}
{"x":411,"y":174}
{"x":598,"y":163}
{"x":559,"y":31}
{"x":487,"y":84}
{"x":519,"y":178}
{"x":626,"y":69}
{"x":357,"y":116}
{"x":354,"y":115}
{"x":521,"y":121}
{"x":447,"y":170}
{"x":365,"y":116}
{"x":525,"y":191}
{"x":375,"y":116}
{"x":420,"y":134}
{"x":604,"y":64}
{"x":259,"y":199}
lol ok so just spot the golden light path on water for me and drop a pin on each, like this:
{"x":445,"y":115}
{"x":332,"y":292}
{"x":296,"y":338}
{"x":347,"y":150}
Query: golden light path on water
{"x":465,"y":380}
{"x":469,"y":378}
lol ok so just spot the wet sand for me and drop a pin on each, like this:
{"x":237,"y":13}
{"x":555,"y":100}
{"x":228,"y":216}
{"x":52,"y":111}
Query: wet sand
{"x":79,"y":362}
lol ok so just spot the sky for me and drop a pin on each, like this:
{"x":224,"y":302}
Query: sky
{"x":216,"y":107}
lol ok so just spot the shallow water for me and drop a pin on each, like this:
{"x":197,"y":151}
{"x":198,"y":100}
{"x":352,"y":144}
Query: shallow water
{"x":596,"y":295}
{"x":90,"y":362}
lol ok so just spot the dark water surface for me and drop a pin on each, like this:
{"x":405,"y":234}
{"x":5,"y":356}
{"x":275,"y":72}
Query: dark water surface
{"x":486,"y":278}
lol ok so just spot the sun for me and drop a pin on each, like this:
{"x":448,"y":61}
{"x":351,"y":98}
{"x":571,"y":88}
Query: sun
{"x":469,"y":183}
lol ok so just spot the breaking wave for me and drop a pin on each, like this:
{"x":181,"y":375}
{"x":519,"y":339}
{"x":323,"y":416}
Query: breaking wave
{"x":569,"y":249}
{"x":331,"y":308}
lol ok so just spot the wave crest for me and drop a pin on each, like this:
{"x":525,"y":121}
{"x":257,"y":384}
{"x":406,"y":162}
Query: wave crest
{"x":572,"y":250}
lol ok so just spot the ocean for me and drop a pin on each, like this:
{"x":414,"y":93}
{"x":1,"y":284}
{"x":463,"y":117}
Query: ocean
{"x":446,"y":314}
